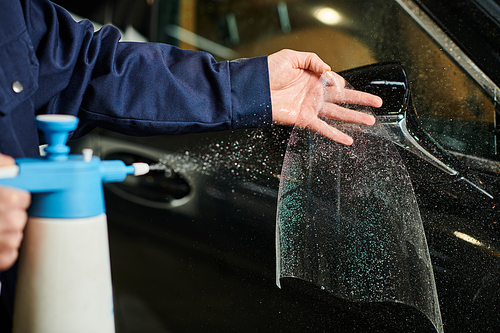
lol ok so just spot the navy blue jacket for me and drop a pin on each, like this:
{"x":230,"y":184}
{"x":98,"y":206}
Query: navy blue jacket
{"x":51,"y":64}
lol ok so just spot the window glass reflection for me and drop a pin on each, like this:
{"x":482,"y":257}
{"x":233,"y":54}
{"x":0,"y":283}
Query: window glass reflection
{"x":346,"y":34}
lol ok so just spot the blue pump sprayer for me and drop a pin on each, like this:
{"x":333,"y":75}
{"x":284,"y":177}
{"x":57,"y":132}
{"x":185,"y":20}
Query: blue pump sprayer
{"x":64,"y":277}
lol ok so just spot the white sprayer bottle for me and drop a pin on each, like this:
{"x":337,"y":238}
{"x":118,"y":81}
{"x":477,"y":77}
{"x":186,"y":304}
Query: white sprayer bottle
{"x":64,"y":277}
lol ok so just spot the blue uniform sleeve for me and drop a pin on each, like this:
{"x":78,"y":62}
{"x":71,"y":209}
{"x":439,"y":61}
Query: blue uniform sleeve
{"x":140,"y":88}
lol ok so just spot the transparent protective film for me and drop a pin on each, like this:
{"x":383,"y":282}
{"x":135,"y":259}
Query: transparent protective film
{"x":348,"y":221}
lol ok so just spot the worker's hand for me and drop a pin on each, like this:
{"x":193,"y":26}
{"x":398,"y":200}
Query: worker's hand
{"x":13,"y":218}
{"x":303,"y":88}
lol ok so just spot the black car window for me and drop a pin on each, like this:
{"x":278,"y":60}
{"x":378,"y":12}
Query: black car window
{"x":346,"y":33}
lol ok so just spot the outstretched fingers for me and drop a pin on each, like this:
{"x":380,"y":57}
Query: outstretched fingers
{"x":321,"y":127}
{"x":337,"y":112}
{"x":337,"y":90}
{"x":361,"y":98}
{"x":351,"y":96}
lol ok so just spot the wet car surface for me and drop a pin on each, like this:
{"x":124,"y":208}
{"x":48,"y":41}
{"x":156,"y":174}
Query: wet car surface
{"x":193,"y":245}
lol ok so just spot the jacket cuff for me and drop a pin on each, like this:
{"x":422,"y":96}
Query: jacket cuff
{"x":250,"y":93}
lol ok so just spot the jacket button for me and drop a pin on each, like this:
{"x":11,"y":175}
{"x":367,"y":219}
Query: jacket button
{"x":17,"y":87}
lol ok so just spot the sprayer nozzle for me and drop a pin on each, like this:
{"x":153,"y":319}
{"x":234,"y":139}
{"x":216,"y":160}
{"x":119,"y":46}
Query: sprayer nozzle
{"x":140,"y":168}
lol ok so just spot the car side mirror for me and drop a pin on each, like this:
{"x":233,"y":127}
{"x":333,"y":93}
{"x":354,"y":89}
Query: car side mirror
{"x":390,"y":82}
